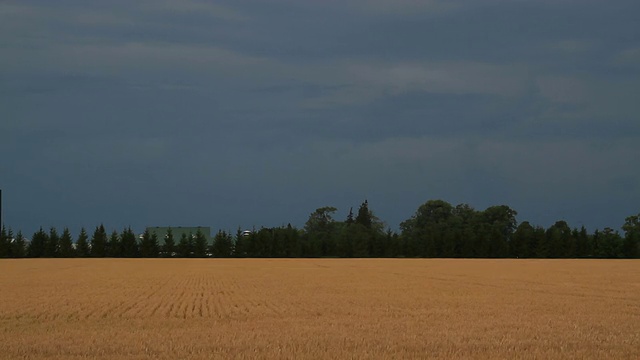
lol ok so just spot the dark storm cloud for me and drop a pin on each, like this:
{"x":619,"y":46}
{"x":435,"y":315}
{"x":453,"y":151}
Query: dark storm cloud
{"x":257,"y":112}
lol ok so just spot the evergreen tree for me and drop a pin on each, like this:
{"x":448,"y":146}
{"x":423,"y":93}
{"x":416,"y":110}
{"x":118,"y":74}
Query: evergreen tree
{"x":145,"y":244}
{"x":169,"y":247}
{"x":222,"y":245}
{"x":291,"y":242}
{"x":631,"y":242}
{"x":114,"y":245}
{"x":345,"y":241}
{"x":200,"y":245}
{"x":99,"y":242}
{"x":554,"y":239}
{"x":361,"y":240}
{"x":37,"y":245}
{"x":66,"y":244}
{"x":373,"y":236}
{"x":155,"y":246}
{"x":149,"y":244}
{"x":575,"y":235}
{"x":377,"y":245}
{"x":542,"y":248}
{"x":350,"y":219}
{"x":278,"y":249}
{"x":82,"y":245}
{"x":5,"y":243}
{"x":262,"y":241}
{"x":561,"y":243}
{"x":364,"y":217}
{"x":184,"y":246}
{"x":594,"y":244}
{"x":129,"y":243}
{"x":610,"y":244}
{"x":240,"y":246}
{"x":392,"y":244}
{"x":19,"y":246}
{"x":583,"y":248}
{"x":522,"y":243}
{"x":52,"y":245}
{"x":9,"y":243}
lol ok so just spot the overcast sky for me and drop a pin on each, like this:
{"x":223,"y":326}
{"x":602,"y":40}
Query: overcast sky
{"x":254,"y":113}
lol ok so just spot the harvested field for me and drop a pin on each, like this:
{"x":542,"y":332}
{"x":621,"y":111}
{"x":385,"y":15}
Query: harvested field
{"x":316,"y":308}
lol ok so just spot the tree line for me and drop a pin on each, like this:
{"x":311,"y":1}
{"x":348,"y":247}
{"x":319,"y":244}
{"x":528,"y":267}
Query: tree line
{"x":436,"y":230}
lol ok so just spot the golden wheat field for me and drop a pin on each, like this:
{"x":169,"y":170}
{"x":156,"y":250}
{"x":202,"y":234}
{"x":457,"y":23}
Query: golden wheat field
{"x":317,"y":309}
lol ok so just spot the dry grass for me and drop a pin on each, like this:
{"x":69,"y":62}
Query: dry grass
{"x":211,"y":308}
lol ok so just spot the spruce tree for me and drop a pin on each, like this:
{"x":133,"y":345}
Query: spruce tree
{"x":184,"y":247}
{"x":222,"y":244}
{"x":129,"y":244}
{"x":145,"y":244}
{"x":52,"y":245}
{"x":240,"y":245}
{"x":99,"y":242}
{"x":66,"y":244}
{"x":114,"y":245}
{"x":364,"y":215}
{"x":522,"y":244}
{"x":610,"y":244}
{"x":10,"y":239}
{"x":169,"y":247}
{"x":5,"y":243}
{"x":594,"y":244}
{"x":18,"y":246}
{"x":200,"y":245}
{"x":293,"y":246}
{"x":361,"y":240}
{"x":631,"y":242}
{"x":82,"y":245}
{"x":369,"y":239}
{"x":149,"y":244}
{"x":582,"y":243}
{"x":37,"y":245}
{"x":350,"y":217}
{"x":155,"y":248}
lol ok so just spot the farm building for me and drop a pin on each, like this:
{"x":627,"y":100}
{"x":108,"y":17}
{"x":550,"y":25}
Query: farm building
{"x":162,"y":231}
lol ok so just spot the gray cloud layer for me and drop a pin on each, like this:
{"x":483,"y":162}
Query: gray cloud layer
{"x":246,"y":113}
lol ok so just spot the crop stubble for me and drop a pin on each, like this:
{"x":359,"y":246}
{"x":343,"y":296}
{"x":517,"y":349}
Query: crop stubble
{"x":316,"y":308}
